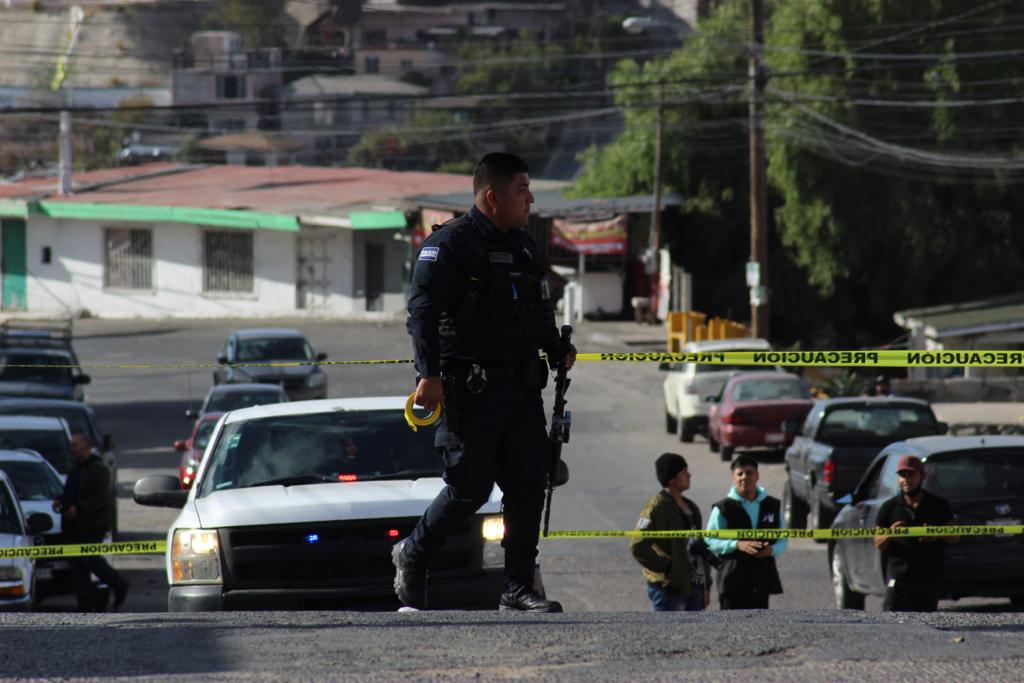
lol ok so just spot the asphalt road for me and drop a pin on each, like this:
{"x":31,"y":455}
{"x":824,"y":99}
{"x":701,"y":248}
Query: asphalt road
{"x":618,"y":431}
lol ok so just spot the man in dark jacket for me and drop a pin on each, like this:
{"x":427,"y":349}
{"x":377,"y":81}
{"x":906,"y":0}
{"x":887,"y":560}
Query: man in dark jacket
{"x":85,"y":518}
{"x":748,"y":574}
{"x":675,"y":580}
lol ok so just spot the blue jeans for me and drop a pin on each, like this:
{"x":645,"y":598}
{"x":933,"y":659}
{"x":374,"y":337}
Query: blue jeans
{"x":662,"y":601}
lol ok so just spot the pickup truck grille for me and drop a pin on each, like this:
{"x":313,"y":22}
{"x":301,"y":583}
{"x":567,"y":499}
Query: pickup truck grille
{"x":343,"y":553}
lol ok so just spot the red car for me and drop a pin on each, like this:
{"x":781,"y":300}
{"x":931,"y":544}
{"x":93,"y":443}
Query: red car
{"x":749,"y":412}
{"x":192,"y":448}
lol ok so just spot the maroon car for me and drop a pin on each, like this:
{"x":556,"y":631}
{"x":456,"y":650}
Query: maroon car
{"x":749,"y":412}
{"x":192,"y":448}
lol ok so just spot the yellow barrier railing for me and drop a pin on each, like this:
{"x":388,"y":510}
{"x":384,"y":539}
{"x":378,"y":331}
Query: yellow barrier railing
{"x":688,"y":326}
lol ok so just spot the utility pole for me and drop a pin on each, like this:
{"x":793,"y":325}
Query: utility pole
{"x":655,"y":236}
{"x":757,"y":267}
{"x":60,"y":74}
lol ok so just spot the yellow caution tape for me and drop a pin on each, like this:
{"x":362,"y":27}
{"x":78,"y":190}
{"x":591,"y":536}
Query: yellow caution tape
{"x":413,"y":420}
{"x":45,"y":552}
{"x":823,"y":534}
{"x":864,"y":359}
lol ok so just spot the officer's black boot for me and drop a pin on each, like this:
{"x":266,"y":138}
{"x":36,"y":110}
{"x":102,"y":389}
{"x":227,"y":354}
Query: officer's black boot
{"x":519,"y":598}
{"x":410,"y":577}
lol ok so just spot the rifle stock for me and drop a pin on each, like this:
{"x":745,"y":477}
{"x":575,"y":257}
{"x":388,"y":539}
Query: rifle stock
{"x":561,"y":421}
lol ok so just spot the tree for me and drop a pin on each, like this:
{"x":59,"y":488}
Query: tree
{"x":258,"y":21}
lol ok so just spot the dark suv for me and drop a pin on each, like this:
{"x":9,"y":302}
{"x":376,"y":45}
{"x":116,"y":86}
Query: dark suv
{"x":36,"y":360}
{"x":272,"y":356}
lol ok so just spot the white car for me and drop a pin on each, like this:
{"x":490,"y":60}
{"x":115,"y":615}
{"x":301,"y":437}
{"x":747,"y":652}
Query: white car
{"x":297,"y":505}
{"x":688,"y":385}
{"x":17,"y":569}
{"x":48,"y":436}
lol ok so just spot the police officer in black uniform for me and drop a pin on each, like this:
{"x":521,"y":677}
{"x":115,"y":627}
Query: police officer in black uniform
{"x":479,"y":310}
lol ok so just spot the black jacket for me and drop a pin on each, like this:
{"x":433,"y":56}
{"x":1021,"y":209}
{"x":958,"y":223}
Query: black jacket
{"x":88,"y":489}
{"x":743,"y":575}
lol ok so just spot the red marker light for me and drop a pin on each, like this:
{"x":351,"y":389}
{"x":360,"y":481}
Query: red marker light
{"x":393,"y":533}
{"x":347,"y":477}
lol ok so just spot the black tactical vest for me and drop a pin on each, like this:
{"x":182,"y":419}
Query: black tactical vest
{"x":507,"y":294}
{"x":742,"y":575}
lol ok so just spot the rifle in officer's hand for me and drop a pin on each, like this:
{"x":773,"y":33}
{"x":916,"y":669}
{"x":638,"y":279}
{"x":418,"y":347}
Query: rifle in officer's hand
{"x":561,"y":421}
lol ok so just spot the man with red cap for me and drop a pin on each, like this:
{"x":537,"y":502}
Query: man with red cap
{"x":913,"y":566}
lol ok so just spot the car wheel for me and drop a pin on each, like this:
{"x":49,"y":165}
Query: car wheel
{"x":794,"y":511}
{"x":818,"y":517}
{"x":727,"y":452}
{"x":712,"y":444}
{"x":671,"y":424}
{"x":846,"y":597}
{"x":686,"y":431}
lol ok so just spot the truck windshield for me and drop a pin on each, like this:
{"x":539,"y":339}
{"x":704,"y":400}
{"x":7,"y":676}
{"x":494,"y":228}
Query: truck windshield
{"x":978,"y":474}
{"x":875,"y":425}
{"x":324,"y":447}
{"x":34,"y":367}
{"x":52,"y":444}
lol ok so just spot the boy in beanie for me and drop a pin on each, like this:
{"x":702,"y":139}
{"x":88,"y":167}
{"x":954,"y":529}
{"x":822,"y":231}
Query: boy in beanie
{"x":675,"y":580}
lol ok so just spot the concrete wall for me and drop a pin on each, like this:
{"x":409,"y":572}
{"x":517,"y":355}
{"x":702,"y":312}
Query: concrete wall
{"x":73,"y":281}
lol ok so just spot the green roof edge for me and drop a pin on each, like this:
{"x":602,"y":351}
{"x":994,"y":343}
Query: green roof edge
{"x":226,"y":218}
{"x":13,"y":208}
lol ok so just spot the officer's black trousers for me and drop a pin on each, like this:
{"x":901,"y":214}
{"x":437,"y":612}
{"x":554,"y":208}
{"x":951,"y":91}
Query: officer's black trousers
{"x":502,"y":438}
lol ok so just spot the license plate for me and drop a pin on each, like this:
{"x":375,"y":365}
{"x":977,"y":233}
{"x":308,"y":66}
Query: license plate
{"x":1003,"y":522}
{"x":774,"y":438}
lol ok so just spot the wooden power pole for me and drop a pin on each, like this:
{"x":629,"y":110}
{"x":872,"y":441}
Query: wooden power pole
{"x":655,"y":236}
{"x":757,"y":268}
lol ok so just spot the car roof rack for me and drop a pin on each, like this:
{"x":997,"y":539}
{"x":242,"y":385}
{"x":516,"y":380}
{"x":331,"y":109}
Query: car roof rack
{"x":47,"y":334}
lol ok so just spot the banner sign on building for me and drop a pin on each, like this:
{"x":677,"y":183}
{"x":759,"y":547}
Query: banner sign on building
{"x":602,"y":237}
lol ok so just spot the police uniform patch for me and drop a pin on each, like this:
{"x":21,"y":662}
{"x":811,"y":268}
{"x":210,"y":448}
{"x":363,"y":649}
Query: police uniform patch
{"x":500,"y":257}
{"x":643,"y":523}
{"x":428,"y":254}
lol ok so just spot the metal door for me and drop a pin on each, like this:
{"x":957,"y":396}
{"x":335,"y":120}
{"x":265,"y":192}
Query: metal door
{"x":312,"y":286}
{"x":374,"y":277}
{"x":12,"y":264}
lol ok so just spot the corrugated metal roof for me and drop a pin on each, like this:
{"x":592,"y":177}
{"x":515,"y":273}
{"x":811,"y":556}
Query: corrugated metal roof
{"x":969,"y":317}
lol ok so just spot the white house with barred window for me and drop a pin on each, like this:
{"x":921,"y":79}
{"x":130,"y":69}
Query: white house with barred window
{"x":168,"y":240}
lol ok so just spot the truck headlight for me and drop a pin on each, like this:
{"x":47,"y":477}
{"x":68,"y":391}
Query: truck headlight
{"x":493,"y":530}
{"x":12,"y":582}
{"x":195,"y":556}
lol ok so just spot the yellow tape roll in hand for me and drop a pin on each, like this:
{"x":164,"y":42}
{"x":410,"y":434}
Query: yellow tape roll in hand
{"x":415,"y":421}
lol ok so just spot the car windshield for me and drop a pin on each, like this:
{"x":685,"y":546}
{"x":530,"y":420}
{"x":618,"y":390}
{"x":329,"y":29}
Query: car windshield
{"x":274,"y":348}
{"x":769,"y":390}
{"x":871,"y":425}
{"x":9,"y":522}
{"x":49,"y":443}
{"x":710,"y":367}
{"x":203,"y":434}
{"x":32,"y":367}
{"x":78,"y":421}
{"x":337,"y":446}
{"x":224,"y":401}
{"x":32,"y":480}
{"x":977,"y":474}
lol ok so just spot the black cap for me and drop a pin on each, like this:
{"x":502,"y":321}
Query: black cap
{"x":667,"y":466}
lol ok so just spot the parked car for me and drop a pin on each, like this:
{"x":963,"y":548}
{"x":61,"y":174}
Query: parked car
{"x":299,"y":504}
{"x":749,"y":412}
{"x":47,"y":436}
{"x":835,"y":445}
{"x":17,"y":574}
{"x":80,"y":418}
{"x":273,"y":345}
{"x":36,"y":484}
{"x":38,"y":360}
{"x":194,"y":446}
{"x":688,"y":385}
{"x":224,"y":397}
{"x":982,"y":477}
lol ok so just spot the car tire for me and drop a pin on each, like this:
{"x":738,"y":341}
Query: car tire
{"x":686,"y":431}
{"x":846,"y":597}
{"x":818,"y":517}
{"x":671,"y":423}
{"x":726,"y":453}
{"x":794,"y":510}
{"x":712,"y":444}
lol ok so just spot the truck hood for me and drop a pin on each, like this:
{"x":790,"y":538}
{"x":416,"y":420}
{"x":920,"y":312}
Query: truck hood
{"x":36,"y":390}
{"x":263,"y":505}
{"x":262,"y":375}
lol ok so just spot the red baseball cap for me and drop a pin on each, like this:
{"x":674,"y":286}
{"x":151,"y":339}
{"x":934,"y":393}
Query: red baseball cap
{"x":910,"y":462}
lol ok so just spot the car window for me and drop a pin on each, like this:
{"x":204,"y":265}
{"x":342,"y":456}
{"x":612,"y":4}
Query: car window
{"x":78,"y":421}
{"x":224,"y":401}
{"x":875,"y":424}
{"x":339,"y":446}
{"x":769,"y":390}
{"x":203,"y":434}
{"x":711,"y":367}
{"x":976,"y":474}
{"x":888,"y":486}
{"x":51,"y":444}
{"x":32,"y":480}
{"x":811,"y":423}
{"x":33,"y":367}
{"x":274,"y":348}
{"x":9,"y":521}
